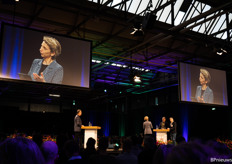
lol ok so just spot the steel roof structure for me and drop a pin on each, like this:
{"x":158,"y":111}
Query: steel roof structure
{"x":169,"y":31}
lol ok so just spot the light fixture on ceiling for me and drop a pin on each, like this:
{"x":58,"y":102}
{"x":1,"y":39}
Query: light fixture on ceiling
{"x":137,"y":32}
{"x":221,"y":51}
{"x":147,"y":23}
{"x":54,"y":95}
{"x":10,"y":2}
{"x":149,"y":20}
{"x":137,"y":29}
{"x":137,"y":79}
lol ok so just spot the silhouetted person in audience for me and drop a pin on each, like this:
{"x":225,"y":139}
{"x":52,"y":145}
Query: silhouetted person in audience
{"x":180,"y":139}
{"x":20,"y":150}
{"x":146,"y":156}
{"x":161,"y":154}
{"x":60,"y":141}
{"x":136,"y":147}
{"x":127,"y":157}
{"x":3,"y":136}
{"x":37,"y":138}
{"x":102,"y":157}
{"x":90,"y":149}
{"x":220,"y":148}
{"x":72,"y":151}
{"x":191,"y":153}
{"x":49,"y":150}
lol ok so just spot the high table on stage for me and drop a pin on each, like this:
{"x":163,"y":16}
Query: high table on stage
{"x":90,"y":131}
{"x":161,"y":135}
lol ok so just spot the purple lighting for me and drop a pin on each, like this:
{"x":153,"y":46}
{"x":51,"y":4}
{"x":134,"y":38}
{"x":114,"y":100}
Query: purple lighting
{"x":105,"y":81}
{"x":109,"y":77}
{"x":184,"y":122}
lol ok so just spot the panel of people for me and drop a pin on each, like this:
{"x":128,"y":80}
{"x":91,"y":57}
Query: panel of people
{"x":147,"y":126}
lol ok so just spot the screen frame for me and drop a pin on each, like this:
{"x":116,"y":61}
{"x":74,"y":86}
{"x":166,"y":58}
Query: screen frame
{"x":199,"y":103}
{"x":3,"y":24}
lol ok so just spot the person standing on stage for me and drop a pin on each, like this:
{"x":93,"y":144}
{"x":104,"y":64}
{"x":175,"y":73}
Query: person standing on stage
{"x":77,"y":127}
{"x":147,"y":126}
{"x":172,"y":130}
{"x":163,"y":124}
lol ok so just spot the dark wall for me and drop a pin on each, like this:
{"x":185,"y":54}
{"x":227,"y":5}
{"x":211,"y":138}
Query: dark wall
{"x":126,"y":114}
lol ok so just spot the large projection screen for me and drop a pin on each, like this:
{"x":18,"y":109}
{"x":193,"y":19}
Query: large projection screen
{"x":199,"y":84}
{"x":21,"y":46}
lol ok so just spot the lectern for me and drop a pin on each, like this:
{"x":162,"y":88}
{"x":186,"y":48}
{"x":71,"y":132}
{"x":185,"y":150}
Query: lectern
{"x":161,"y":135}
{"x":90,"y":131}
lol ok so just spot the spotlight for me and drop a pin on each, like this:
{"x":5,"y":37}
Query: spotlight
{"x":54,"y":95}
{"x":137,"y":29}
{"x":219,"y":53}
{"x":222,"y":51}
{"x":137,"y":79}
{"x":137,"y":32}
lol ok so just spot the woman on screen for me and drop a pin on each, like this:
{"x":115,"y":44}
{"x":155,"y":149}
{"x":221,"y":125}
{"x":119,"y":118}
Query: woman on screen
{"x":203,"y":93}
{"x":47,"y":69}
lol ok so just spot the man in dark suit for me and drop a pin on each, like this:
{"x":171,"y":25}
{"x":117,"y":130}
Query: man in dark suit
{"x":77,"y":127}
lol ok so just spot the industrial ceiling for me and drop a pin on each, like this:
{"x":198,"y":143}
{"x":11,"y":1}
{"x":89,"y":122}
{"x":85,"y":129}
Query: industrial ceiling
{"x":130,"y":37}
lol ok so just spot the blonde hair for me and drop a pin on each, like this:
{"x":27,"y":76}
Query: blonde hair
{"x":171,"y":118}
{"x":146,"y":118}
{"x":79,"y":110}
{"x":54,"y":45}
{"x":206,"y":74}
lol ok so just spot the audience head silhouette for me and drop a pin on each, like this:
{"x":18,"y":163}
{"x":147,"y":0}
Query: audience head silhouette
{"x":127,"y":145}
{"x":103,"y":144}
{"x":50,"y":151}
{"x":191,"y":153}
{"x":71,"y":148}
{"x":91,"y":143}
{"x":21,"y":151}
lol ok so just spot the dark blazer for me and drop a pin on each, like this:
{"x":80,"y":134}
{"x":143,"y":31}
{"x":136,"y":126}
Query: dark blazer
{"x":147,"y":126}
{"x":77,"y":123}
{"x":165,"y":125}
{"x":207,"y":96}
{"x":52,"y":74}
{"x":173,"y":127}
